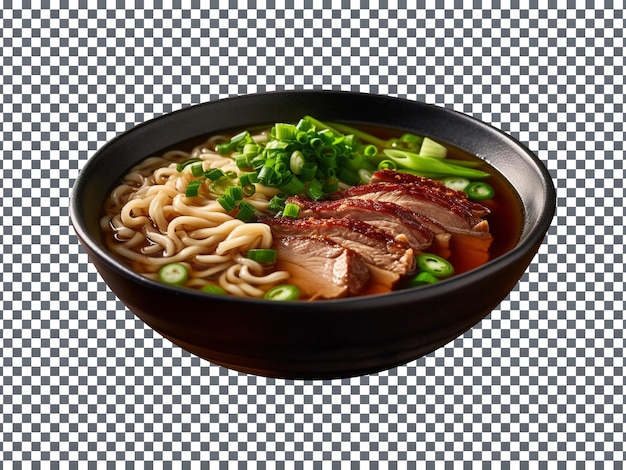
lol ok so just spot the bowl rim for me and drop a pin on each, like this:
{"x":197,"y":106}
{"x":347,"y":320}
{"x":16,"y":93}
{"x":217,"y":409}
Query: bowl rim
{"x":529,"y":242}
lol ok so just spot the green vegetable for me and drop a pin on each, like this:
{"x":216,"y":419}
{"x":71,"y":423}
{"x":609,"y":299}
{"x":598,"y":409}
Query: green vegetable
{"x":196,"y":169}
{"x":262,"y":255}
{"x":214,"y":174}
{"x":193,"y":187}
{"x":420,"y":163}
{"x":277,"y":203}
{"x":434,"y":265}
{"x":458,"y":183}
{"x":479,"y":191}
{"x":174,"y":274}
{"x":246,"y":211}
{"x":235,"y":142}
{"x":214,"y":289}
{"x":430,"y":148}
{"x":291,"y":211}
{"x":181,"y":166}
{"x":227,"y":202}
{"x":422,"y":279}
{"x":283,"y":292}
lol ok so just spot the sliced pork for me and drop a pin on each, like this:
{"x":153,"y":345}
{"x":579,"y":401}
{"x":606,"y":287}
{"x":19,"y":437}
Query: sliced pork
{"x":460,"y":197}
{"x":387,"y":216}
{"x":376,"y":246}
{"x":322,"y":268}
{"x":426,"y":200}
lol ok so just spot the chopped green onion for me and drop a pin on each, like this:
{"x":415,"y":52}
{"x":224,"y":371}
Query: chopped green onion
{"x":422,"y":279}
{"x":265,"y":174}
{"x":458,"y":183}
{"x":308,"y":171}
{"x":302,"y":137}
{"x":235,"y":192}
{"x":479,"y":191}
{"x":365,"y":175}
{"x":246,"y":179}
{"x":246,"y":211}
{"x":364,"y":136}
{"x":220,"y":185}
{"x":227,"y":202}
{"x":248,"y":190}
{"x":214,"y":289}
{"x":296,"y":162}
{"x":277,"y":203}
{"x":433,"y":149}
{"x":412,"y":141}
{"x":285,"y":131}
{"x":291,"y":211}
{"x":304,"y":124}
{"x":387,"y":165}
{"x":258,"y":162}
{"x":196,"y":169}
{"x":174,"y":274}
{"x":214,"y":174}
{"x":315,"y":190}
{"x":292,"y":185}
{"x":181,"y":166}
{"x":251,"y":149}
{"x":243,"y":162}
{"x":331,"y":185}
{"x":370,"y":150}
{"x":193,"y":188}
{"x":237,"y":141}
{"x":434,"y":265}
{"x":348,"y":177}
{"x":316,"y":143}
{"x":283,"y":292}
{"x":262,"y":255}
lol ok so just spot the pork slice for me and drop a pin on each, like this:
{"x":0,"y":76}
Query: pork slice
{"x":322,"y":268}
{"x":460,"y":197}
{"x":376,"y":246}
{"x":387,"y":216}
{"x":424,"y":200}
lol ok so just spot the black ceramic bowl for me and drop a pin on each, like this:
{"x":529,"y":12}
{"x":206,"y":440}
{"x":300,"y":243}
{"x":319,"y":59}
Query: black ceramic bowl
{"x":322,"y":339}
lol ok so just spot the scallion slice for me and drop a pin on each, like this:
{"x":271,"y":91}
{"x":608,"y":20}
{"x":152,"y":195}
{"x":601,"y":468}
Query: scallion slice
{"x":262,"y":255}
{"x":435,"y":265}
{"x":479,"y":191}
{"x":277,"y":203}
{"x":181,"y":166}
{"x":214,"y":289}
{"x":214,"y":174}
{"x":193,"y":188}
{"x":285,"y":131}
{"x":283,"y":292}
{"x":458,"y":183}
{"x":175,"y":274}
{"x":433,"y":149}
{"x":292,"y":185}
{"x":227,"y":202}
{"x":423,"y":279}
{"x":196,"y":169}
{"x":246,"y":211}
{"x":291,"y":210}
{"x":315,"y":190}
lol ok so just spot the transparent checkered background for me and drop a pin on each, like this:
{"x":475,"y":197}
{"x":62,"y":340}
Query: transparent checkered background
{"x":540,"y":381}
